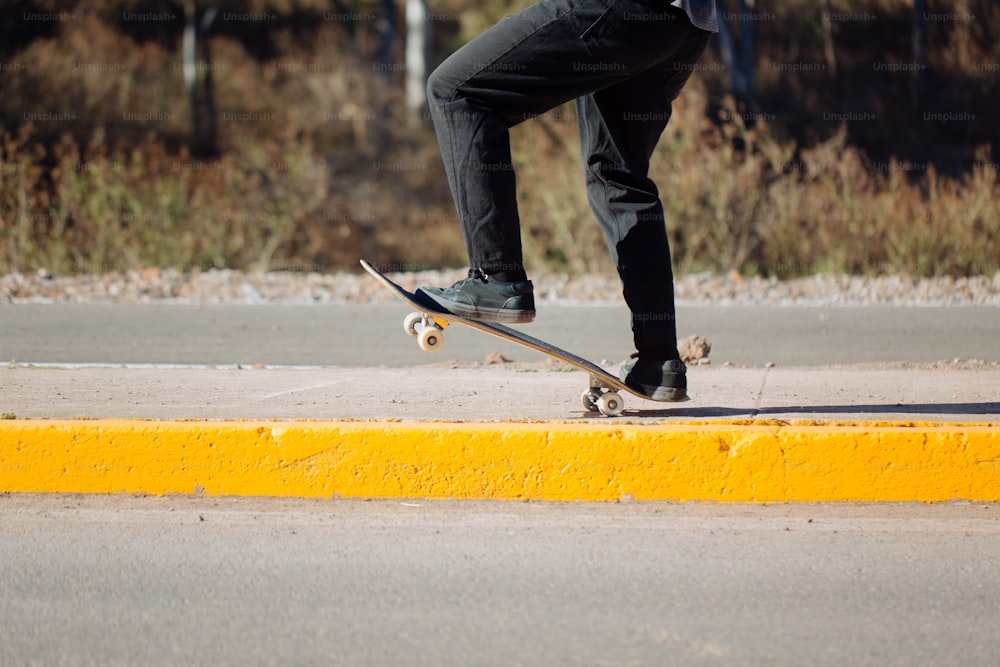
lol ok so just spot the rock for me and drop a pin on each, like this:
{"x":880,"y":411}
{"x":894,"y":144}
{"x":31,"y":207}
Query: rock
{"x":693,"y":349}
{"x":496,"y":358}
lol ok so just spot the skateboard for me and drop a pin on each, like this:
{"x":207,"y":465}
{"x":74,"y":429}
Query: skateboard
{"x":429,"y":321}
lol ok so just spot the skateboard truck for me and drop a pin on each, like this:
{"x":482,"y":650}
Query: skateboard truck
{"x":427,"y":329}
{"x":602,"y":398}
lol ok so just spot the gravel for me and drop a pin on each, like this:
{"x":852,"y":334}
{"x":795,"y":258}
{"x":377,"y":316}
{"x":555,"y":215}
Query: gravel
{"x":168,"y":286}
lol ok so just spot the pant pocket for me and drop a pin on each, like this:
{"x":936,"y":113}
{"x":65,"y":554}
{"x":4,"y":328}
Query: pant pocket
{"x":603,"y":31}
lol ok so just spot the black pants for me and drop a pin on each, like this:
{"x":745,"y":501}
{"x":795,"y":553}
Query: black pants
{"x":624,"y":62}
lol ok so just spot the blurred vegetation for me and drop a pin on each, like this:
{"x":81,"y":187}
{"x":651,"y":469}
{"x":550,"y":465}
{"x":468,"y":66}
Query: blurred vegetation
{"x":865,"y":164}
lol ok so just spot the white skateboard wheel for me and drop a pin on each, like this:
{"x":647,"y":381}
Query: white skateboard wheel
{"x":430,"y":339}
{"x":610,"y":404}
{"x":410,"y":323}
{"x":589,"y":400}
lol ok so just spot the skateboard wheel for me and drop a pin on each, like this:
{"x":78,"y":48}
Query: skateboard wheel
{"x":430,"y":339}
{"x":589,"y":400}
{"x":610,"y":404}
{"x":410,"y":323}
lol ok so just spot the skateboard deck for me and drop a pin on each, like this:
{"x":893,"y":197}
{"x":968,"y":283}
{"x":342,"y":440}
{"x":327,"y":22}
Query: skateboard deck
{"x":429,"y":321}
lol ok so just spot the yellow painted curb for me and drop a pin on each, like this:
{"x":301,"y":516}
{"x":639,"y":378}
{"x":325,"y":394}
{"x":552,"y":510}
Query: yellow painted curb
{"x":755,"y":461}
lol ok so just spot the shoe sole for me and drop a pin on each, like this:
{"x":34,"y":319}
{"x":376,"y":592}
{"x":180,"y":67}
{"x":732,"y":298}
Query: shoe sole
{"x":661,"y":394}
{"x":498,"y":316}
{"x":668,"y":395}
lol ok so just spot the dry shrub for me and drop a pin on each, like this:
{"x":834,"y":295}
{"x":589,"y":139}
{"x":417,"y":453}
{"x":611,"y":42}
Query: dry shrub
{"x":93,"y":79}
{"x":559,"y":230}
{"x":96,"y":210}
{"x":339,"y":170}
{"x":737,"y":198}
{"x":312,"y":185}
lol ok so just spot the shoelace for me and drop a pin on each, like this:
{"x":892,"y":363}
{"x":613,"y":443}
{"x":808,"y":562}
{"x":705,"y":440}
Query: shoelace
{"x":474,"y":274}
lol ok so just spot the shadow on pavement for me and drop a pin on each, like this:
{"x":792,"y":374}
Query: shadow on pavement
{"x":929,"y":410}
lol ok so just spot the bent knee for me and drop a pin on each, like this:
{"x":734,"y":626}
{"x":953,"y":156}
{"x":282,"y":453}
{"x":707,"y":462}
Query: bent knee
{"x":440,"y":86}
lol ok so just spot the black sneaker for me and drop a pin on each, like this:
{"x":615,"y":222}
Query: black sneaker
{"x":659,"y":380}
{"x":480,"y":297}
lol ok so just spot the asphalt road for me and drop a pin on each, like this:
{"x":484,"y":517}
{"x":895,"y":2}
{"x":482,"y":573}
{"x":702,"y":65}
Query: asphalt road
{"x":372,"y":335}
{"x":196,"y":581}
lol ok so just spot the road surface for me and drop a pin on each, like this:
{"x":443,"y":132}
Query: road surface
{"x":371,"y":335}
{"x":197,"y":581}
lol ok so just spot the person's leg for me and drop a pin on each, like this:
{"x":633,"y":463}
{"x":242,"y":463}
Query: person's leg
{"x":619,"y":129}
{"x":529,"y":63}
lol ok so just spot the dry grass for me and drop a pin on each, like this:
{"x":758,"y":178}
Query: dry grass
{"x":329,"y":168}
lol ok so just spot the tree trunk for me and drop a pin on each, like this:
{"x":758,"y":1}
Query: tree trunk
{"x":211,"y":137}
{"x":386,"y":57}
{"x":919,"y":31}
{"x":739,"y":62}
{"x":828,"y":52}
{"x":417,"y":46}
{"x":198,"y":80}
{"x":919,"y":49}
{"x":189,"y":49}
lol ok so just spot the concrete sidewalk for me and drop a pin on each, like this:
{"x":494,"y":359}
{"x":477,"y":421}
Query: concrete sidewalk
{"x":496,"y":393}
{"x":901,"y":433}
